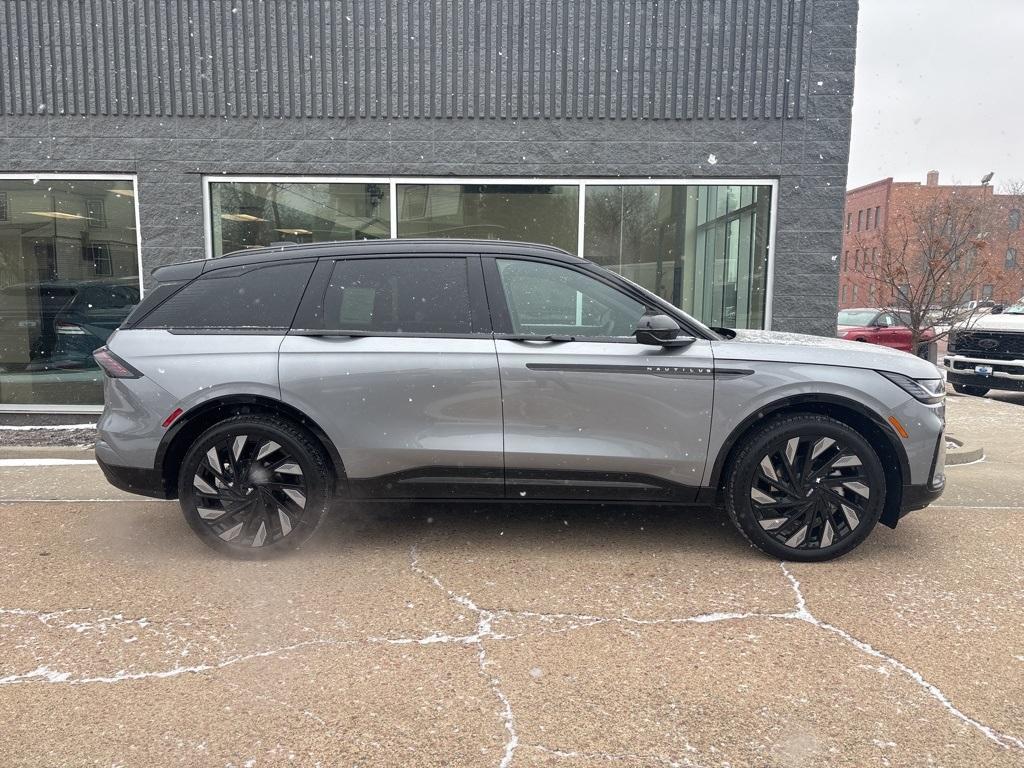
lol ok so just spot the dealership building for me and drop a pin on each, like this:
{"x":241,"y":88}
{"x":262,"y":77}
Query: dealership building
{"x":698,"y":147}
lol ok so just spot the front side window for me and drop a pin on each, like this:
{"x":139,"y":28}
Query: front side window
{"x":263,"y":297}
{"x":548,"y":299}
{"x":421,"y":295}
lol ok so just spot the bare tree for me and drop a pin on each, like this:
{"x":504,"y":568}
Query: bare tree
{"x":931,"y":258}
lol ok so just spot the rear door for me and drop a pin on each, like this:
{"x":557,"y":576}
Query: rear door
{"x":393,"y":357}
{"x":590,"y":413}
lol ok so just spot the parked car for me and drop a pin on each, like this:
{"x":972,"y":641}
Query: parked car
{"x":988,"y":352}
{"x":888,"y":327}
{"x":59,"y":323}
{"x":257,"y":387}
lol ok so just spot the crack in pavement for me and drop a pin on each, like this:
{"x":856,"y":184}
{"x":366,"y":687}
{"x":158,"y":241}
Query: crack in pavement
{"x":485,"y":618}
{"x":803,"y":614}
{"x":485,"y":631}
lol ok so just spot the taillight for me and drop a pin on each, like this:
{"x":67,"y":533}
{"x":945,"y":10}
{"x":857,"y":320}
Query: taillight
{"x":114,"y":366}
{"x":69,"y":329}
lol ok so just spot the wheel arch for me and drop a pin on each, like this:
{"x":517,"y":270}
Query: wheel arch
{"x":853,"y":414}
{"x":175,"y":443}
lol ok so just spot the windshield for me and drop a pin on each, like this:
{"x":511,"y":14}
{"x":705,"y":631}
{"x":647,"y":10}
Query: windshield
{"x":1015,"y":309}
{"x":857,"y":316}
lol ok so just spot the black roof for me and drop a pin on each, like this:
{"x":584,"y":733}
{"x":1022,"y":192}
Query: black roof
{"x":412,"y":247}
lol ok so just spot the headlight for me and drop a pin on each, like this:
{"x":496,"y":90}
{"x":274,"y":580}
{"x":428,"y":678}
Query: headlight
{"x":929,"y":391}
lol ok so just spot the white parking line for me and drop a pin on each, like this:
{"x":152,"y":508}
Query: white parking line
{"x":44,"y":462}
{"x":30,"y":427}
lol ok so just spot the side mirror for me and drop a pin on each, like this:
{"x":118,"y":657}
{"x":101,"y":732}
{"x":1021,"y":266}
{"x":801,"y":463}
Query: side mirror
{"x":997,"y":309}
{"x":660,"y":331}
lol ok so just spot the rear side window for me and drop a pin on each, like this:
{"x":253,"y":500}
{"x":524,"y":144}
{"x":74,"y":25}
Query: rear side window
{"x":415,"y":295}
{"x":261,"y":297}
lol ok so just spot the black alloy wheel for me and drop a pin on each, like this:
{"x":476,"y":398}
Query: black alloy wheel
{"x":252,"y":486}
{"x":806,"y":488}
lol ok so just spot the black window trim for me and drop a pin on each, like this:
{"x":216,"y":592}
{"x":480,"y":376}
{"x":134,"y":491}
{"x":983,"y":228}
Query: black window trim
{"x":309,"y":320}
{"x":503,"y":318}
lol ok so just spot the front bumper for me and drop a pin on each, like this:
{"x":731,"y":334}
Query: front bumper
{"x":1006,"y":374}
{"x":144,"y":482}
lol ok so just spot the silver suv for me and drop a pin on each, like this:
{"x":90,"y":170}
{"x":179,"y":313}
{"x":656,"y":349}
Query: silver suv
{"x":259,"y":386}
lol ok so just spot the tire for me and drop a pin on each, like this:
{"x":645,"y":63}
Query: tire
{"x":970,"y":389}
{"x":795,"y":510}
{"x":270,"y":499}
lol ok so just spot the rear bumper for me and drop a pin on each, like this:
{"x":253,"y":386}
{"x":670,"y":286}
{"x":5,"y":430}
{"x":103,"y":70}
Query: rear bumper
{"x":144,"y":482}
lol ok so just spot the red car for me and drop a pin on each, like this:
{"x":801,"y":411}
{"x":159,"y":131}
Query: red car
{"x":888,"y":327}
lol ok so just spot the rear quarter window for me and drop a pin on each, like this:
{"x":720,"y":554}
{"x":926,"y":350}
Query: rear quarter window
{"x":257,"y":297}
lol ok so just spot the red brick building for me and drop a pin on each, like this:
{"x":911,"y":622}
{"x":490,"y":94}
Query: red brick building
{"x":871,"y":208}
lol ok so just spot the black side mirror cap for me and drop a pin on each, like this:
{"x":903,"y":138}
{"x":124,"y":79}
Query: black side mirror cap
{"x":997,"y":309}
{"x":660,"y":331}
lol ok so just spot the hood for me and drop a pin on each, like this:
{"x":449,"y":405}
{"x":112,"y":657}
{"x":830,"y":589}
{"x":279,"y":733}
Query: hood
{"x":779,"y":347}
{"x":1002,"y":322}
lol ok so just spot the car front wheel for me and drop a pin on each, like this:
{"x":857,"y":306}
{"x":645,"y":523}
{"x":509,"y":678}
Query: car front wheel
{"x":805,"y":487}
{"x":254,"y":486}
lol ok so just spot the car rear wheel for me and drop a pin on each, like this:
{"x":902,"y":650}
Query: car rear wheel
{"x":805,"y":487}
{"x":254,"y":486}
{"x":970,"y":389}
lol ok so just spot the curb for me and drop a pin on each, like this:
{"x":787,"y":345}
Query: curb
{"x":957,"y":454}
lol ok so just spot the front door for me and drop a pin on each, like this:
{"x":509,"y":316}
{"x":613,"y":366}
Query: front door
{"x":589,"y":413}
{"x":393,"y":356}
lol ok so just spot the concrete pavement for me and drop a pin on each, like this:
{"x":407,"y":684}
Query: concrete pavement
{"x":526,"y":636}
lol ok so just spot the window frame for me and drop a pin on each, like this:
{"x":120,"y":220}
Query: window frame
{"x":132,"y":179}
{"x":309,"y":319}
{"x":581,"y":182}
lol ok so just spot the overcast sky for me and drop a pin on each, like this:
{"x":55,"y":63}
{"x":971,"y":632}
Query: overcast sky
{"x":940,"y":84}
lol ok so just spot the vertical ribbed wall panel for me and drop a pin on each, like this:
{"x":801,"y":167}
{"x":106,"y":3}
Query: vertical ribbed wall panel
{"x":657,"y":59}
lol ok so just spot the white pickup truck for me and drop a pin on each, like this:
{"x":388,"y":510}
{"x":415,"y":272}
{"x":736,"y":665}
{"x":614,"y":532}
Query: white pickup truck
{"x":987,"y":353}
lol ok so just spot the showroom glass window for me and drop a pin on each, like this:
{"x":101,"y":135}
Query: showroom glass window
{"x":69,"y":274}
{"x":249,"y":214}
{"x":536,"y":213}
{"x":704,"y":248}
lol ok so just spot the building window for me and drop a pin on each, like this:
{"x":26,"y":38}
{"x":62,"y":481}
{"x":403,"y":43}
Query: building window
{"x":867,"y":221}
{"x":846,"y":260}
{"x":874,"y":256}
{"x":849,"y":219}
{"x":3,"y":206}
{"x":99,"y":255}
{"x":702,"y":247}
{"x":1011,"y":258}
{"x":855,"y":294}
{"x":860,"y":220}
{"x":844,"y":293}
{"x":987,"y":291}
{"x":871,"y":293}
{"x":61,"y":292}
{"x":878,"y":215}
{"x":903,"y":291}
{"x":541,"y":213}
{"x":96,"y":211}
{"x":254,"y":214}
{"x":1015,"y":220}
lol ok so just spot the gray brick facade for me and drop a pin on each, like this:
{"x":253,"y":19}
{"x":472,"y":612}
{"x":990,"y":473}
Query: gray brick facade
{"x":765,"y":86}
